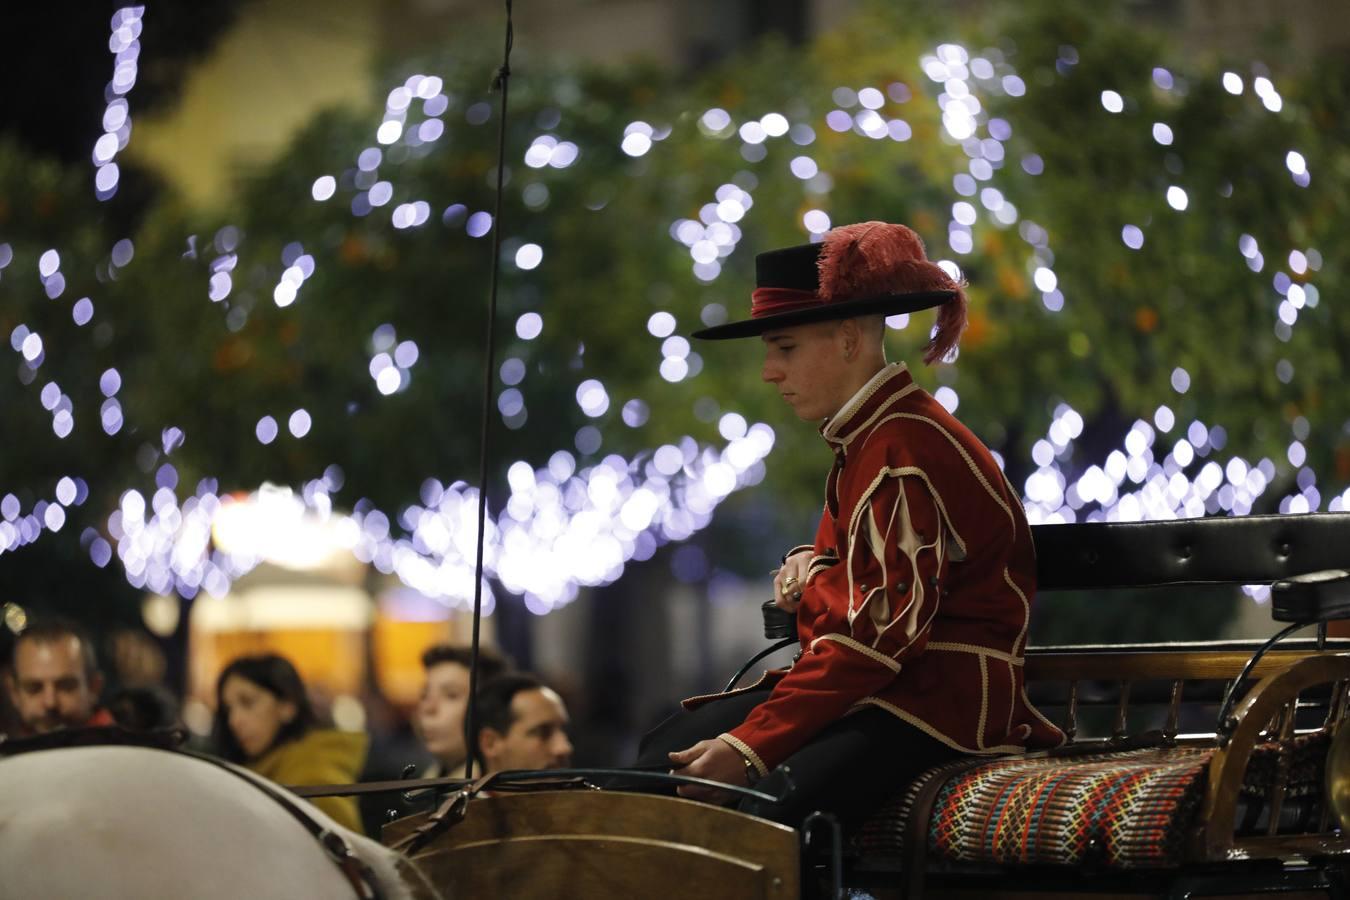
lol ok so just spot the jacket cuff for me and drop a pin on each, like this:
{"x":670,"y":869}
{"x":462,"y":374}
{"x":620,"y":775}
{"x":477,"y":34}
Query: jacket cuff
{"x":746,"y":751}
{"x":800,"y":548}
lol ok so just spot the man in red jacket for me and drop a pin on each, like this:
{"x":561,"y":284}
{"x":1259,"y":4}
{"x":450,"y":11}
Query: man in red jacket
{"x":913,"y":602}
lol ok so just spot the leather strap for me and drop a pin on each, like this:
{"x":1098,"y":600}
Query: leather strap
{"x":309,"y":791}
{"x":93,"y":736}
{"x":358,"y":873}
{"x":450,"y":812}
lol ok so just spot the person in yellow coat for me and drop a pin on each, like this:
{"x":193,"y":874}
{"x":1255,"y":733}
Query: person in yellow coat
{"x":265,"y":722}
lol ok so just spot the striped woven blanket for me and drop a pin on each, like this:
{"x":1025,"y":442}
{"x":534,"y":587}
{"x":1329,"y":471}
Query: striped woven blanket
{"x":1124,"y":809}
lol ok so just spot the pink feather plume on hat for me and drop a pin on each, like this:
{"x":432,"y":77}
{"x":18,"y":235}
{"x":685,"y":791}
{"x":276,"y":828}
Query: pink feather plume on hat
{"x":872,"y":258}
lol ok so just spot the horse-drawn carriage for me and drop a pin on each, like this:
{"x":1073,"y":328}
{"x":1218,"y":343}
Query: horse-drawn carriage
{"x":1193,"y":769}
{"x":1214,"y":768}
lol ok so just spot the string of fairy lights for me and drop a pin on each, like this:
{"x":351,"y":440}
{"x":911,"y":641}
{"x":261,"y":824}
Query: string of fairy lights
{"x":125,"y":46}
{"x":566,"y":525}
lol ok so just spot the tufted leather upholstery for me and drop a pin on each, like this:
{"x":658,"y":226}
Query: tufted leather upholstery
{"x":1218,"y":550}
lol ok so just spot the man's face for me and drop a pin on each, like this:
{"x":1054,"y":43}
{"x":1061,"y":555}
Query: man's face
{"x":537,"y":738}
{"x":806,"y":364}
{"x":440,"y":712}
{"x":50,"y":687}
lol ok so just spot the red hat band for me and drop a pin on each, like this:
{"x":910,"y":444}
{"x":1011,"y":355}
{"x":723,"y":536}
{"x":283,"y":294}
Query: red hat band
{"x":772,"y":301}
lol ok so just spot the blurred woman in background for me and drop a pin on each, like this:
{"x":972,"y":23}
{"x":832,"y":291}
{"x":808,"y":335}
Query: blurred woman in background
{"x":264,"y":721}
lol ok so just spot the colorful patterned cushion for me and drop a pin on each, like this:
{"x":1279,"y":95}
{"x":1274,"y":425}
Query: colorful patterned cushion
{"x":1123,"y":809}
{"x":1304,"y":761}
{"x":1126,"y":810}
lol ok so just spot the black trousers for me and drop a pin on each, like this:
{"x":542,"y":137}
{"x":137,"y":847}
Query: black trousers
{"x":848,"y":769}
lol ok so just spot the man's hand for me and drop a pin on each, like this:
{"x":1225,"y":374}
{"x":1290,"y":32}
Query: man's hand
{"x":712,"y":759}
{"x":789,"y":581}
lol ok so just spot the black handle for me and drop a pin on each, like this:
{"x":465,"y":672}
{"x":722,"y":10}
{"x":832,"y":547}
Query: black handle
{"x":778,"y":623}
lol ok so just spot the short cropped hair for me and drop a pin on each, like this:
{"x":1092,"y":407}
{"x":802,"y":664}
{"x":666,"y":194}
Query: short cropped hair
{"x":494,"y":705}
{"x":874,"y":327}
{"x":144,"y":708}
{"x":53,"y":629}
{"x":492,"y":663}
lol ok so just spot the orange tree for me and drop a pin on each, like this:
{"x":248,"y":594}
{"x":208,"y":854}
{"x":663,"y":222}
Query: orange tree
{"x":1135,"y":235}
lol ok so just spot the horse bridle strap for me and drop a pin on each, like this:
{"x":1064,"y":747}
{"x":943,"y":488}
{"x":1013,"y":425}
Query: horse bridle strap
{"x":94,"y":736}
{"x":357,"y":872}
{"x":453,"y":808}
{"x":347,"y":789}
{"x":449,"y":813}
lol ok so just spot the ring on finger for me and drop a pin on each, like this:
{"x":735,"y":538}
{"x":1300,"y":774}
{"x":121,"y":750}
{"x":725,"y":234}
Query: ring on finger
{"x":789,"y":581}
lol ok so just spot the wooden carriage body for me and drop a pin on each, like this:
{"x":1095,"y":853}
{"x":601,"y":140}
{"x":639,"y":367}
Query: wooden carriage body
{"x":1174,"y":783}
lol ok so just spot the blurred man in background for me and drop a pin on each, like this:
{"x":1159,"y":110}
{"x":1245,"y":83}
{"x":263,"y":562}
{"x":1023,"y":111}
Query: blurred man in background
{"x":55,"y":681}
{"x":521,"y":724}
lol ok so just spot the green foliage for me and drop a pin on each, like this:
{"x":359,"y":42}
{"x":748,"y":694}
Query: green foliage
{"x":1187,"y":298}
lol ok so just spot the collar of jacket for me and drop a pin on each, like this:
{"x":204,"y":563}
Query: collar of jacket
{"x":841,"y":428}
{"x":323,"y":750}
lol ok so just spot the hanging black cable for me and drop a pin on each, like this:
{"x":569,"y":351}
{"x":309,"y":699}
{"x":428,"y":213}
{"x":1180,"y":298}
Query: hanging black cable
{"x":500,"y":82}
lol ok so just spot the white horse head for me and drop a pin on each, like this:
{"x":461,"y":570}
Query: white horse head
{"x":131,"y":822}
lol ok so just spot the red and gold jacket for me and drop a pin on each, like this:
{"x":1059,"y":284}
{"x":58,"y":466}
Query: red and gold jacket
{"x":919,"y":588}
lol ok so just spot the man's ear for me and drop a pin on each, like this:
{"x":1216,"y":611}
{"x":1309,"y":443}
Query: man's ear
{"x":489,"y":744}
{"x":12,"y":686}
{"x":850,"y":337}
{"x":96,"y":684}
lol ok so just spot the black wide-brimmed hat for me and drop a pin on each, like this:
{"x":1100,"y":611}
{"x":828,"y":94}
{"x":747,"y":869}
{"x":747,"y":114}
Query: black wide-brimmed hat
{"x":872,"y":268}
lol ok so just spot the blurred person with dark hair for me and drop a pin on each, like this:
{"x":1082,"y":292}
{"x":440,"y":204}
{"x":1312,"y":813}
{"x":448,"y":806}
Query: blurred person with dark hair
{"x":134,"y":658}
{"x":521,"y":724}
{"x":144,"y":708}
{"x":54,"y":680}
{"x":437,"y":727}
{"x":265,"y":722}
{"x":439,"y":716}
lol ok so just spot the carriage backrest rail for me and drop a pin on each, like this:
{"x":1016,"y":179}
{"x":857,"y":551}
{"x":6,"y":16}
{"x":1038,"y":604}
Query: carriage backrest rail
{"x":1216,"y":550}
